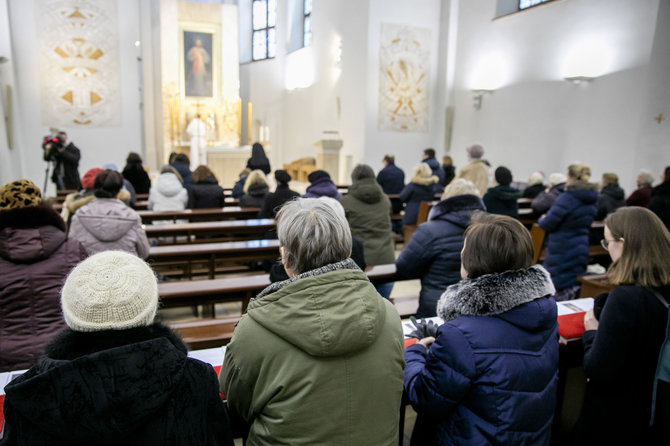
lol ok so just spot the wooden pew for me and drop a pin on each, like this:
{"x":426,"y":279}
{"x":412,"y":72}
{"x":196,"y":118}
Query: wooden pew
{"x":538,"y":234}
{"x":206,"y":333}
{"x":143,"y":197}
{"x":240,"y":289}
{"x":227,"y":230}
{"x":594,"y":284}
{"x":210,"y":253}
{"x":225,"y":213}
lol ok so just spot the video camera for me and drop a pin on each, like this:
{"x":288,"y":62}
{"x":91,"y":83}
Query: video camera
{"x":51,"y":145}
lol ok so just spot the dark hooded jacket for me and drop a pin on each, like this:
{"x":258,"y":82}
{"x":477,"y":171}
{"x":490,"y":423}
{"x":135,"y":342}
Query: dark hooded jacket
{"x":544,"y":200}
{"x":130,"y":387}
{"x":568,"y":224}
{"x":35,"y":259}
{"x":433,"y":254}
{"x":611,"y":198}
{"x":392,"y":179}
{"x":206,"y":193}
{"x":275,"y":200}
{"x":438,"y":172}
{"x":533,"y":191}
{"x":66,"y":170}
{"x":322,"y":187}
{"x":255,"y":196}
{"x":412,"y":195}
{"x":502,"y":200}
{"x":490,"y":377}
{"x":368,"y":212}
{"x":138,"y":177}
{"x":660,"y":202}
{"x":185,"y":173}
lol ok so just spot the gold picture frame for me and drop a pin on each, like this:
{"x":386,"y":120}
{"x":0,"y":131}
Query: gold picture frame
{"x":199,"y":61}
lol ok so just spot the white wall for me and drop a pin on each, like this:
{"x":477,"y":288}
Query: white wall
{"x":535,"y":119}
{"x":99,"y":145}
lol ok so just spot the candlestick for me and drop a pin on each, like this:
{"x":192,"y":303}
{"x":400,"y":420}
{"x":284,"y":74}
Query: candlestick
{"x":249,"y":122}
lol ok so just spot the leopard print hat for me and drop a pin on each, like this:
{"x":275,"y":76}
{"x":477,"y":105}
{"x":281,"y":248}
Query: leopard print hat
{"x":19,"y":194}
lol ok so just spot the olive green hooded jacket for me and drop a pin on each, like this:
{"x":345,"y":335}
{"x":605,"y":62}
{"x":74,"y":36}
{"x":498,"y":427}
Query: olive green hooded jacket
{"x":318,"y":360}
{"x":368,"y":212}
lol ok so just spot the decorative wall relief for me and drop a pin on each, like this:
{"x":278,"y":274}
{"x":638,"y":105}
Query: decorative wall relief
{"x":79,"y":62}
{"x":404,"y":78}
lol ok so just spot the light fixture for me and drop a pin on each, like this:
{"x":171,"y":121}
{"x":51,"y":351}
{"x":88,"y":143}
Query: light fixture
{"x":477,"y":96}
{"x":579,"y":79}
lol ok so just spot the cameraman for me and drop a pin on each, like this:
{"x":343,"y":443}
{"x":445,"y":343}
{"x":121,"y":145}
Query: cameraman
{"x":66,"y":158}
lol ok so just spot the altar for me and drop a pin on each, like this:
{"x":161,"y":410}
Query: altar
{"x":228,"y":162}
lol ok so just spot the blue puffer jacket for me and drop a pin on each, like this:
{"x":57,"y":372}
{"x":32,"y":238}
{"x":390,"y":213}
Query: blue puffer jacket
{"x":434,"y":251}
{"x":490,"y":377}
{"x":437,"y":171}
{"x":412,"y":195}
{"x":568,"y":224}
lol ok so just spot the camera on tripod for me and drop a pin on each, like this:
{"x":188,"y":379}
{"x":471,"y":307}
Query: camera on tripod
{"x":51,"y":145}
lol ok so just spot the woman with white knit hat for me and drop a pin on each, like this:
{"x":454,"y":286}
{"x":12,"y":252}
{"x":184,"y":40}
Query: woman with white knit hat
{"x":115,"y":376}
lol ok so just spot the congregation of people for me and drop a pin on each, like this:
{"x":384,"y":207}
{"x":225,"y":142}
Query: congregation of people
{"x":319,"y":357}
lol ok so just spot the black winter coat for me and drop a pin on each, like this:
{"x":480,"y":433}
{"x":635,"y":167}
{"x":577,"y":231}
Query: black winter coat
{"x":502,"y":200}
{"x":66,"y":170}
{"x":255,"y":196}
{"x":129,"y":387}
{"x":412,"y":195}
{"x":620,"y":361}
{"x":438,"y":172}
{"x":533,"y":191}
{"x":433,"y":254}
{"x":392,"y":179}
{"x":138,"y":177}
{"x":660,"y":202}
{"x":275,"y":200}
{"x":238,"y":188}
{"x":449,"y":173}
{"x":206,"y":193}
{"x":611,"y":198}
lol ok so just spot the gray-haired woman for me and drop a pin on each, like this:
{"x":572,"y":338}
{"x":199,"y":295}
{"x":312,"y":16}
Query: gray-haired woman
{"x":325,"y":331}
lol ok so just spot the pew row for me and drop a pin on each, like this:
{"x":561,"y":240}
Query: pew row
{"x":227,"y":230}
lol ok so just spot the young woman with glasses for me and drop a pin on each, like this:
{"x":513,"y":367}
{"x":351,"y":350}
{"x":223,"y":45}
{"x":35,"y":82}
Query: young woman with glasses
{"x":621,"y":347}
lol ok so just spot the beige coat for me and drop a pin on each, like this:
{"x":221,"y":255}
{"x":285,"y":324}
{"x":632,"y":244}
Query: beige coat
{"x":477,"y":172}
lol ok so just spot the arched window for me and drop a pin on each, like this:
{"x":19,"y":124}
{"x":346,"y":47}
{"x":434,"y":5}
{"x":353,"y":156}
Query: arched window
{"x":307,"y":23}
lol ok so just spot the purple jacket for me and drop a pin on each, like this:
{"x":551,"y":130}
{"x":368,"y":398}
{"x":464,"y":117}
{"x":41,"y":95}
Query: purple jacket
{"x":35,"y":259}
{"x":323,"y":187}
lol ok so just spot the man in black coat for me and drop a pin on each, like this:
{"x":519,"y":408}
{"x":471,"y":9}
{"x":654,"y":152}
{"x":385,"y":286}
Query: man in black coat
{"x":392,"y":180}
{"x":660,"y":198}
{"x":429,"y":158}
{"x":66,"y":157}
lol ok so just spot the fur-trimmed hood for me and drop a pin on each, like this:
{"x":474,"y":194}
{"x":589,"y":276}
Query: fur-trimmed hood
{"x":493,"y":294}
{"x":581,"y":185}
{"x":425,"y":181}
{"x":465,"y":202}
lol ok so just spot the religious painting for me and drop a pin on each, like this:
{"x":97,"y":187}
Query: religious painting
{"x":79,"y":62}
{"x":198,"y":54}
{"x":404,"y":63}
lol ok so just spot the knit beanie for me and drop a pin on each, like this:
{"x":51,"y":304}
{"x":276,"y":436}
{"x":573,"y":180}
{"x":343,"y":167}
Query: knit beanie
{"x":88,"y":179}
{"x":503,"y":176}
{"x":19,"y":194}
{"x":312,"y":177}
{"x":111,"y":290}
{"x":282,"y":176}
{"x":475,"y":151}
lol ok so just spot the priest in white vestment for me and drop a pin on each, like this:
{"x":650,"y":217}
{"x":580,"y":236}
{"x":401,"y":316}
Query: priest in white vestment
{"x":197,"y":130}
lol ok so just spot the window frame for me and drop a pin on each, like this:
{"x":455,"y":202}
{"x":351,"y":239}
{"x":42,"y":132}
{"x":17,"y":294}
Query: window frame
{"x":266,"y":29}
{"x":304,"y":19}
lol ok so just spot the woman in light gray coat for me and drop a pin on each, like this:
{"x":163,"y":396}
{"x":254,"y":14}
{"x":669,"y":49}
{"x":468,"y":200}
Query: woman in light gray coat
{"x":106,"y":223}
{"x":168,"y":194}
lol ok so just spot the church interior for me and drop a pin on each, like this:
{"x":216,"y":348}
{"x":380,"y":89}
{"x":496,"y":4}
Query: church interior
{"x":540,"y":88}
{"x":328,"y":85}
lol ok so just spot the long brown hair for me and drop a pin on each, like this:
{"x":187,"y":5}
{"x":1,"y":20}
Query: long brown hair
{"x":646,"y":246}
{"x":201,"y":172}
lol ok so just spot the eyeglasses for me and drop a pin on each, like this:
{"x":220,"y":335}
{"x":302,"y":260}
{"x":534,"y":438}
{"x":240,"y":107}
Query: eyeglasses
{"x":606,"y":243}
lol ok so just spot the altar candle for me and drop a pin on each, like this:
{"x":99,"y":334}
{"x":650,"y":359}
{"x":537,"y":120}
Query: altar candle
{"x":239,"y":121}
